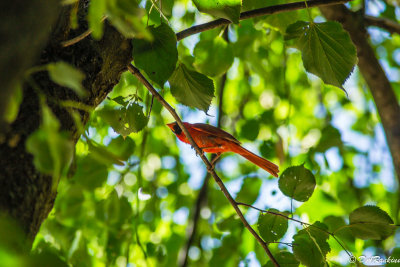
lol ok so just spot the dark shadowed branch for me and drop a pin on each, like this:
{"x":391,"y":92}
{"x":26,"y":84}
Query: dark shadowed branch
{"x":386,"y":24}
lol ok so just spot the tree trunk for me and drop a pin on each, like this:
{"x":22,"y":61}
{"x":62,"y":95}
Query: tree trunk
{"x":26,"y":194}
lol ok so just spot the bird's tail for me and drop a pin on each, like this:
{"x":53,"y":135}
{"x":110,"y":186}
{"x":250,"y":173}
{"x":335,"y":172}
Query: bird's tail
{"x":259,"y":161}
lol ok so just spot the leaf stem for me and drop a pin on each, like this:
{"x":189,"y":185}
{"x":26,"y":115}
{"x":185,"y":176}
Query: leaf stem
{"x":298,"y":221}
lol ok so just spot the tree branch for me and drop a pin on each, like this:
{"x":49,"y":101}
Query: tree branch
{"x":257,"y":13}
{"x":386,"y":24}
{"x":218,"y":180}
{"x":375,"y":77}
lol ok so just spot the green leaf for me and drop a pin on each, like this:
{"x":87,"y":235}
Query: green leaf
{"x":310,"y":245}
{"x":229,"y":224}
{"x":69,"y":211}
{"x":250,"y":129}
{"x":97,"y":9}
{"x":116,"y":118}
{"x":90,"y":173}
{"x":157,"y":57}
{"x":297,"y":182}
{"x":125,"y":120}
{"x":272,"y":227}
{"x":191,"y":88}
{"x":395,"y":255}
{"x":285,"y":259}
{"x":337,"y":226}
{"x":213,"y":57}
{"x":122,"y":147}
{"x":370,"y":222}
{"x":46,"y":258}
{"x":101,"y":154}
{"x":228,"y":9}
{"x":120,"y":100}
{"x":296,"y":30}
{"x":114,"y":210}
{"x":126,"y":17}
{"x":66,"y":75}
{"x":13,"y":103}
{"x":249,"y":190}
{"x":330,"y":137}
{"x":52,"y":150}
{"x":136,"y":118}
{"x":326,"y":49}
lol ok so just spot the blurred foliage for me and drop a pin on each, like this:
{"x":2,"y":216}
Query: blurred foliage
{"x":132,"y":192}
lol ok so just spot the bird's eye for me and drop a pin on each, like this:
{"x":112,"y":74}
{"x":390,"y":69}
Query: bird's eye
{"x":177,"y":129}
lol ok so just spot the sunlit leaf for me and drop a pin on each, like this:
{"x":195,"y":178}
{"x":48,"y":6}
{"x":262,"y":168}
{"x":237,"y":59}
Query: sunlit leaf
{"x":101,"y":154}
{"x":135,"y":117}
{"x":126,"y":15}
{"x":116,"y":118}
{"x":297,"y":182}
{"x":52,"y":150}
{"x":213,"y":57}
{"x":97,"y":9}
{"x":370,"y":222}
{"x":66,"y":75}
{"x":120,"y":100}
{"x":13,"y":104}
{"x":157,"y":57}
{"x":125,"y":120}
{"x":326,"y":49}
{"x":228,"y":9}
{"x":191,"y":88}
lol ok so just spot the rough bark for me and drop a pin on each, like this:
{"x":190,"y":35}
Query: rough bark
{"x":378,"y":83}
{"x":25,"y":194}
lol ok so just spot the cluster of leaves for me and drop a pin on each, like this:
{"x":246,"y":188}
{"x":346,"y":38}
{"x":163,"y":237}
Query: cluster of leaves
{"x":130,"y":196}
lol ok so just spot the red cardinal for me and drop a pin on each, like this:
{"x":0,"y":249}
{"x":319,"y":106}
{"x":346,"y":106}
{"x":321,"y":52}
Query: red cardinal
{"x":214,"y":140}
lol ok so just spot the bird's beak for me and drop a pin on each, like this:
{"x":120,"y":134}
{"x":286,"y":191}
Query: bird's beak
{"x":171,"y":125}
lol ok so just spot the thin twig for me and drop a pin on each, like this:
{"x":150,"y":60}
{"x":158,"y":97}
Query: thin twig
{"x":210,"y":169}
{"x":386,"y":24}
{"x":79,"y":37}
{"x":257,"y":13}
{"x":298,"y":221}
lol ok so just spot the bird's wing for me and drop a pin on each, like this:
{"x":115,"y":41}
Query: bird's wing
{"x":214,"y":131}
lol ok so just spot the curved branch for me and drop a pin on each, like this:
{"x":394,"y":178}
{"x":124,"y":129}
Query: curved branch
{"x":386,"y":24}
{"x":257,"y":13}
{"x":210,"y":169}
